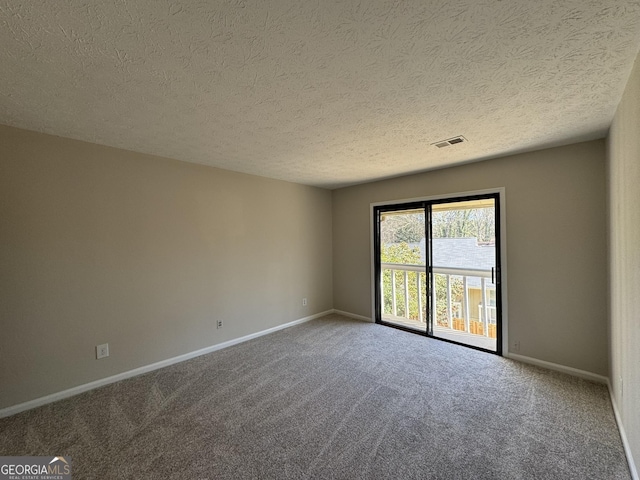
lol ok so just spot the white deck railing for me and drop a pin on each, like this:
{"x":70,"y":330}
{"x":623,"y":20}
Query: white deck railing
{"x":411,"y":273}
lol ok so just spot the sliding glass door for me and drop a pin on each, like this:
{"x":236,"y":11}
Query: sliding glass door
{"x":438,"y":269}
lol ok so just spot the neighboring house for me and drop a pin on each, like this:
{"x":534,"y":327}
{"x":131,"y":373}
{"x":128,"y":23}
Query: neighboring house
{"x":462,"y":253}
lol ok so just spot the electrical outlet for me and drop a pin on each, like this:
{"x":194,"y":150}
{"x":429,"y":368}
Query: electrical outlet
{"x":102,"y":351}
{"x":219,"y":324}
{"x":304,"y":302}
{"x":516,"y":346}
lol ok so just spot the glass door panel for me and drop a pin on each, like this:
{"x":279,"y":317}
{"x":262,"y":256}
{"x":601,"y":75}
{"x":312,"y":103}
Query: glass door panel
{"x":464,"y":264}
{"x":401,"y":249}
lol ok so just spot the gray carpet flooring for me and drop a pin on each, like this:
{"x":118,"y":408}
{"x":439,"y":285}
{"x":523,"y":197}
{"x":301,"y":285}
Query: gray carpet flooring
{"x":338,"y":399}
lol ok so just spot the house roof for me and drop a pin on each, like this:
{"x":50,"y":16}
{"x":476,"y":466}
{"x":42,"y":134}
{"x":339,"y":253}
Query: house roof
{"x":463,"y":253}
{"x":319,"y":93}
{"x":459,"y":253}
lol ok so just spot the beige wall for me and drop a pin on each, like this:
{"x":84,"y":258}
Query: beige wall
{"x":624,"y":246}
{"x":556,"y":246}
{"x":103,"y":245}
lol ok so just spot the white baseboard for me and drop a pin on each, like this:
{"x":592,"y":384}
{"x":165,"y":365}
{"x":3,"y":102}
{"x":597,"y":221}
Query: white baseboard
{"x":623,"y":436}
{"x":54,"y":397}
{"x":352,"y":315}
{"x":594,"y":377}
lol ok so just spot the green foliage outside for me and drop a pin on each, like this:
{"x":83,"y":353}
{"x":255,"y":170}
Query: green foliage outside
{"x":404,"y":254}
{"x":457,"y":292}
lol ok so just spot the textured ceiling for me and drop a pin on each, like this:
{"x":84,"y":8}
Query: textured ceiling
{"x":325,"y":92}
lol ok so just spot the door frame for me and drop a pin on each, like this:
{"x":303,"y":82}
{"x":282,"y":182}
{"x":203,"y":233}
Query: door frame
{"x":502,"y":349}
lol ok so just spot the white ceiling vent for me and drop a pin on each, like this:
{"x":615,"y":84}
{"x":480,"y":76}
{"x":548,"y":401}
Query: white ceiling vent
{"x":450,"y":141}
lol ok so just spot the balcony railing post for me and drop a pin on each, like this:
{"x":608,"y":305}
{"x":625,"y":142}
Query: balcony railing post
{"x":434,"y":311}
{"x":465,"y":301}
{"x":418,"y":284}
{"x":394,"y":306}
{"x":449,"y":309}
{"x":406,"y":294}
{"x":485,"y":310}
